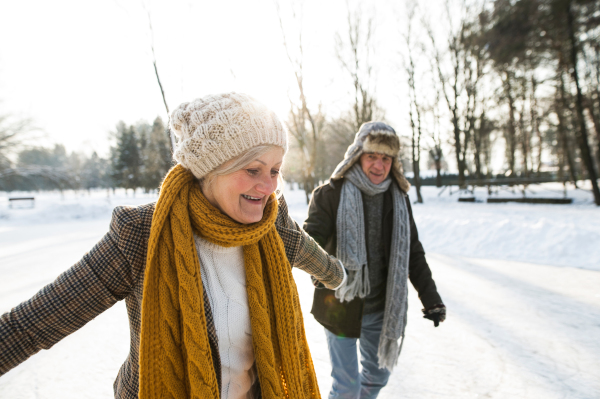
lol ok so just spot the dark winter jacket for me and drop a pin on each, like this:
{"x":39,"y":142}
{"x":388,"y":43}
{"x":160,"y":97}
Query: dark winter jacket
{"x":345,"y":318}
{"x":114,"y":270}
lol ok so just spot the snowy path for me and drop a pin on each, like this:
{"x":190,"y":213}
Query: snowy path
{"x":515,"y":330}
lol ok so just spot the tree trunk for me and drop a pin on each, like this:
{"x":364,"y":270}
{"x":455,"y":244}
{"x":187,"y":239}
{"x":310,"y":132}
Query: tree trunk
{"x":535,"y":128}
{"x":417,"y":153}
{"x":597,"y":91}
{"x":458,"y":150}
{"x":477,"y":144}
{"x":438,"y":170}
{"x":564,"y":142}
{"x":309,"y":186}
{"x":511,"y":131}
{"x":523,"y":133}
{"x":583,"y":139}
{"x":415,"y":156}
{"x":596,"y":122}
{"x":562,"y":129}
{"x":417,"y":180}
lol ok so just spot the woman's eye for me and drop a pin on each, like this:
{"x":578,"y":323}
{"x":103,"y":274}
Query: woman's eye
{"x":252,"y":172}
{"x":274,"y":172}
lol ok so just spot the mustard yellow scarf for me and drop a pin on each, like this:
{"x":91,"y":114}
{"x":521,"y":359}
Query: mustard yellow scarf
{"x":175,"y":356}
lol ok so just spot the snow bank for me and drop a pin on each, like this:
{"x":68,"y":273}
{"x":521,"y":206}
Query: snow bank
{"x":53,"y":206}
{"x":558,"y":235}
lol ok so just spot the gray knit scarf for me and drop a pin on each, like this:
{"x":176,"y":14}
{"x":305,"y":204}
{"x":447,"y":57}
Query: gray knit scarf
{"x":352,"y":251}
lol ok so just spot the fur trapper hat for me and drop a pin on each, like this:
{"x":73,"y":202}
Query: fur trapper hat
{"x":374,"y":137}
{"x":217,"y":128}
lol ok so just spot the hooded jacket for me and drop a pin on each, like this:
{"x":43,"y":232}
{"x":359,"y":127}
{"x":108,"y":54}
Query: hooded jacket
{"x":344,"y":318}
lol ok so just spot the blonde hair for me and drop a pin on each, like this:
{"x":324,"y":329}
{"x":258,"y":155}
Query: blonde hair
{"x":238,"y":163}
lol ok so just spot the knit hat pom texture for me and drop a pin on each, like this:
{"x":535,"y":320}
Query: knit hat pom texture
{"x":217,"y":128}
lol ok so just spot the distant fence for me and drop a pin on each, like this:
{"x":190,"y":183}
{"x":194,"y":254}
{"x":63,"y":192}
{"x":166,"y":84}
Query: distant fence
{"x":499,"y":180}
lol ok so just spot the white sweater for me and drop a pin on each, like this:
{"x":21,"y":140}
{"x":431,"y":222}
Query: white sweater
{"x":224,"y":279}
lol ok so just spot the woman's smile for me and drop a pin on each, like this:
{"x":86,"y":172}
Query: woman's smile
{"x":243,"y":195}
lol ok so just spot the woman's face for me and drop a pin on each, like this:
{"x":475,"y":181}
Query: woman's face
{"x":243,"y":195}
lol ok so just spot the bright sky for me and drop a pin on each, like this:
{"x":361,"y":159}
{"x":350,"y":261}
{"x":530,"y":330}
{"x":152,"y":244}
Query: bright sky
{"x":78,"y":67}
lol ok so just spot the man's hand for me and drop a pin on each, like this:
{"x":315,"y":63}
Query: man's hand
{"x":436,"y":313}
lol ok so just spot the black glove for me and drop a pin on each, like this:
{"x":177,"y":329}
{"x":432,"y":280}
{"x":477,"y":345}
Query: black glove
{"x":436,"y":313}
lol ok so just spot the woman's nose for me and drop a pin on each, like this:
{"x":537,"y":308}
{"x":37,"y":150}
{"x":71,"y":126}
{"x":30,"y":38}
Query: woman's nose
{"x":265,"y":186}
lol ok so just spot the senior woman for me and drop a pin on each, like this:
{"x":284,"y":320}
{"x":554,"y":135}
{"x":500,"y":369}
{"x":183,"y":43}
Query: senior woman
{"x":205,"y":271}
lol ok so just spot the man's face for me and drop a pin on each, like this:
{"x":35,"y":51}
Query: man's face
{"x":376,"y":166}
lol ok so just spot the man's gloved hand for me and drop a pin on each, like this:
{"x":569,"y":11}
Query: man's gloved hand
{"x":436,"y":313}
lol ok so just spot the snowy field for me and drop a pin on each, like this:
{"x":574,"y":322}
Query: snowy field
{"x":521,"y":283}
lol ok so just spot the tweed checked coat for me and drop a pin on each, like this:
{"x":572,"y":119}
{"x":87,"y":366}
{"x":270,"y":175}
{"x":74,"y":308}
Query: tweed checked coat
{"x":114,"y":270}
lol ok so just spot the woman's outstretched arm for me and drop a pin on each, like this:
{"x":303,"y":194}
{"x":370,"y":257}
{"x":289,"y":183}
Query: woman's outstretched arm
{"x":304,"y":252}
{"x":95,"y":283}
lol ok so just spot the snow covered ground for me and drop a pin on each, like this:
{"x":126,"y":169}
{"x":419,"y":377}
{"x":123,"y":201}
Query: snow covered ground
{"x":520,"y":282}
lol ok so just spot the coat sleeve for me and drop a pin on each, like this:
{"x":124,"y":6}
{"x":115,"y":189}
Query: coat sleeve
{"x":305,"y":253}
{"x":419,"y":272}
{"x":95,"y":283}
{"x":320,"y":223}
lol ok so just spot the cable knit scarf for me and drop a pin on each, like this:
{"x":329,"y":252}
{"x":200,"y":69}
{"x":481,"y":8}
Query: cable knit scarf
{"x":352,"y":251}
{"x":175,"y":356}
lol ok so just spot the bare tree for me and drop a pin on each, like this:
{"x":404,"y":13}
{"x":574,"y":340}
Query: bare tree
{"x":414,"y":109}
{"x":560,"y":105}
{"x":583,"y":136}
{"x":510,"y":129}
{"x":354,"y":54}
{"x":162,"y":91}
{"x":535,"y":121}
{"x":12,"y":132}
{"x":436,"y":151}
{"x":592,"y":100}
{"x":61,"y":178}
{"x":472,"y":41}
{"x":304,"y":125}
{"x":451,"y":87}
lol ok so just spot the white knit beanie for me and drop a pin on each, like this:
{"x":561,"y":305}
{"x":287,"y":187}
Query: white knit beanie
{"x":217,"y":128}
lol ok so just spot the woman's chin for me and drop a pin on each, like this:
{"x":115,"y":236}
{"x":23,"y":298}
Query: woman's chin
{"x":249,"y":217}
{"x":251,"y":220}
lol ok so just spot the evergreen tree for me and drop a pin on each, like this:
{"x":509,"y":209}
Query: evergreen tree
{"x":157,"y":156}
{"x":40,"y":156}
{"x":115,"y":175}
{"x":131,"y":160}
{"x":93,"y":173}
{"x":126,"y":158}
{"x":142,"y":131}
{"x":42,"y":168}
